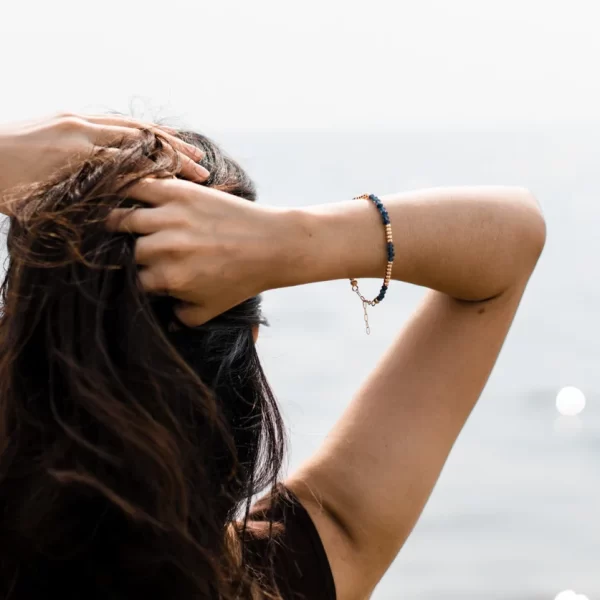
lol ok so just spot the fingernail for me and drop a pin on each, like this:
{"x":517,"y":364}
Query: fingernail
{"x":202,"y":172}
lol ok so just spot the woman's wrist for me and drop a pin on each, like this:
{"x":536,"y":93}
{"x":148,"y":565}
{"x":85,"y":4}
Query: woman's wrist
{"x":329,"y":242}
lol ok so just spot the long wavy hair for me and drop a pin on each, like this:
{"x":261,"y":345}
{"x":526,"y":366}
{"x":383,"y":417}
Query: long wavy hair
{"x":130,"y":445}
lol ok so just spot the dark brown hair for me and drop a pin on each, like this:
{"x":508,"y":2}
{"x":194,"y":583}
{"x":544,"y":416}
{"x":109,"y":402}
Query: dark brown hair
{"x":129,"y":443}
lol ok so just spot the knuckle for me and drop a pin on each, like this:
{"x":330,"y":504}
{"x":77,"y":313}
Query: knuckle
{"x":181,"y":243}
{"x":67,"y":115}
{"x":184,"y":200}
{"x":174,"y":280}
{"x":178,"y":219}
{"x":71,"y":123}
{"x":186,"y":192}
{"x":157,"y":279}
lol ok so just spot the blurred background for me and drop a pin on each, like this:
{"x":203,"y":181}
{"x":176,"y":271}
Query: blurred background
{"x":321,"y":101}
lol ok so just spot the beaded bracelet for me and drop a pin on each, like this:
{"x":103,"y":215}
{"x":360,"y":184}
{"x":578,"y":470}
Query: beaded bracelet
{"x":385,"y":217}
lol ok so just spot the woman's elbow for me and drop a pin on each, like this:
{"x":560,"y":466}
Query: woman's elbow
{"x":524,"y":240}
{"x":521,"y":237}
{"x":531,"y":228}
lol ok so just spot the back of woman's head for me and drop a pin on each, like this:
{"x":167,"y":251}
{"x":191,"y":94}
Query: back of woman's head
{"x":128,"y":441}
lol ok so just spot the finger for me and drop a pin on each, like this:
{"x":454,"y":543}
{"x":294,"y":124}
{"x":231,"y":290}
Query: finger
{"x":167,"y":132}
{"x":151,"y":281}
{"x":191,"y":170}
{"x":150,"y":249}
{"x":188,"y":169}
{"x":142,"y":221}
{"x":158,"y":192}
{"x":125,"y":121}
{"x":107,"y":135}
{"x":194,"y":315}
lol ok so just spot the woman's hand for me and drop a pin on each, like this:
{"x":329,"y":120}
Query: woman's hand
{"x":31,"y":152}
{"x":209,"y":249}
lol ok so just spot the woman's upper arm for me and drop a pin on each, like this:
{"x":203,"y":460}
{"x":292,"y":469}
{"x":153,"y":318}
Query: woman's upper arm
{"x":369,"y":482}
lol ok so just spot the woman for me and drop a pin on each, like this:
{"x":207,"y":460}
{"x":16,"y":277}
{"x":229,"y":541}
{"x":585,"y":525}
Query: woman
{"x":136,"y":421}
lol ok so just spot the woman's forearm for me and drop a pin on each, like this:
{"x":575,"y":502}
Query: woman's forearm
{"x":471,"y":243}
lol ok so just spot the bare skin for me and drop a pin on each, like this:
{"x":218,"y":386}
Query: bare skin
{"x":475,"y":248}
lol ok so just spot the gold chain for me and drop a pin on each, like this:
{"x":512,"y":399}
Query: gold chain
{"x":365,"y":303}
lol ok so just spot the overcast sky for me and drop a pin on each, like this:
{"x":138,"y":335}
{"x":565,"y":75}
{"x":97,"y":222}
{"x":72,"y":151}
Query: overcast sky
{"x":331,"y":63}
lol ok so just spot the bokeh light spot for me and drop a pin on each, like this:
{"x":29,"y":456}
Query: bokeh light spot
{"x":570,"y":595}
{"x":570,"y":401}
{"x":566,"y":595}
